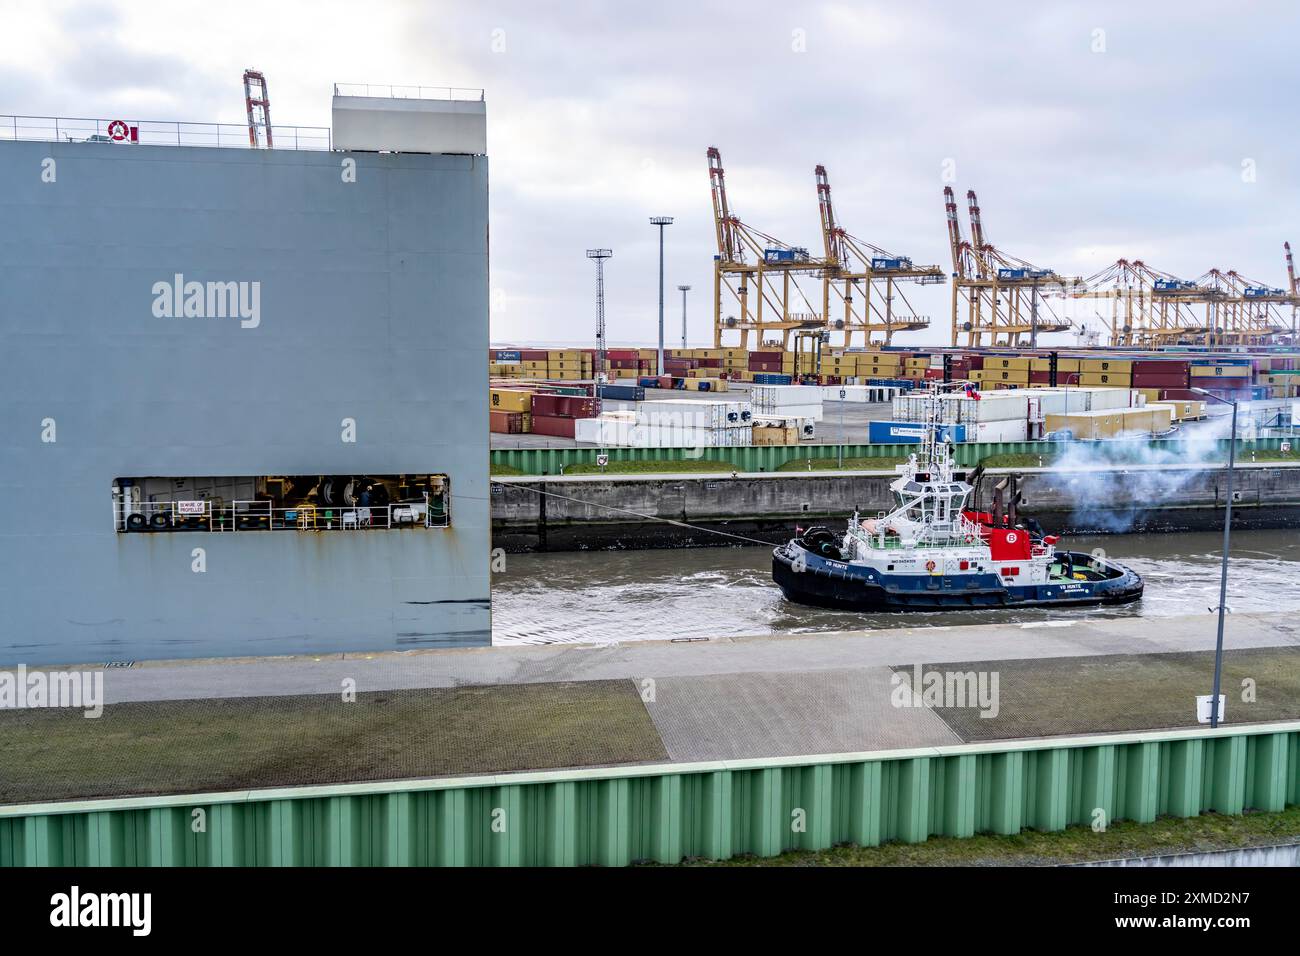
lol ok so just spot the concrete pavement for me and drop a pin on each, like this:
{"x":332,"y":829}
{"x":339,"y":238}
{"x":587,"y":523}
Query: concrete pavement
{"x":252,"y":677}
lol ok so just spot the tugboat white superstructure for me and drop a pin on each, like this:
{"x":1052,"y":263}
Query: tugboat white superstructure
{"x":933,"y":551}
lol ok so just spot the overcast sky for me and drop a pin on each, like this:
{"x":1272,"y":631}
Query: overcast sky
{"x":1091,"y":131}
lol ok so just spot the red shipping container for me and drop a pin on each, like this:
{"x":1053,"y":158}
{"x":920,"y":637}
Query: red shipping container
{"x":506,"y":423}
{"x":533,"y":355}
{"x":1160,"y":368}
{"x":564,"y":406}
{"x":1044,"y":378}
{"x":1158,"y":381}
{"x":555,"y":427}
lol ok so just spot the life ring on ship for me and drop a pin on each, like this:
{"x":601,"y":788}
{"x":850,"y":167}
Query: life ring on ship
{"x":929,"y":566}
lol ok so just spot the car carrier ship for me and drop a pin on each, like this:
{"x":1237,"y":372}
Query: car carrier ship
{"x":936,"y":550}
{"x":245,"y":403}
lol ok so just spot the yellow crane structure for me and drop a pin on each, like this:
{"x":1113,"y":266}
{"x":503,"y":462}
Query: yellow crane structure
{"x":757,"y":274}
{"x":1148,"y":307}
{"x":1247,"y":312}
{"x":855,"y":270}
{"x":1004,"y":298}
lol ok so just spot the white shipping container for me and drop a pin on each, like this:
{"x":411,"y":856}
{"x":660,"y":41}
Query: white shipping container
{"x":622,"y":429}
{"x":1100,"y":399}
{"x":693,"y":414}
{"x":855,"y":394}
{"x":768,"y":395}
{"x":788,"y":401}
{"x":998,"y":431}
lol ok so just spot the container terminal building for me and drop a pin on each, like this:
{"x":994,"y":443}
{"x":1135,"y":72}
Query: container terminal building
{"x":245,"y":407}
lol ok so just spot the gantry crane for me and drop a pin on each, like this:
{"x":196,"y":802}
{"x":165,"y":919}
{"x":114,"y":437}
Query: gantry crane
{"x":759,"y":271}
{"x":1004,"y":296}
{"x":856,"y":268}
{"x":1148,"y":307}
{"x":1245,"y":312}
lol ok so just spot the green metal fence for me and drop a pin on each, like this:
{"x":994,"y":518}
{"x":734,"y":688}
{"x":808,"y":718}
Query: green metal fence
{"x":754,"y":458}
{"x":670,"y":812}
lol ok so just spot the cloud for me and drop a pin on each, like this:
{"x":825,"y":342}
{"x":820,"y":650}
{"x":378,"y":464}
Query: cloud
{"x":600,"y":113}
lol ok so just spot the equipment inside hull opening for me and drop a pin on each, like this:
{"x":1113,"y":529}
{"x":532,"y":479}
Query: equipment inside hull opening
{"x":281,"y":503}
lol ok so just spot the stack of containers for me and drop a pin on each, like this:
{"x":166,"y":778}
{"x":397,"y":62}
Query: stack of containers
{"x":839,"y":368}
{"x":1002,"y":371}
{"x":1011,"y":415}
{"x":915,"y":366}
{"x":556,"y":414}
{"x":622,"y":363}
{"x":965,"y":364}
{"x":766,"y":363}
{"x":1106,"y":373}
{"x":1229,"y":378}
{"x":1155,"y":377}
{"x":534,"y":363}
{"x":509,"y":411}
{"x":1040,"y":372}
{"x":735,"y":365}
{"x":505,"y":363}
{"x":880,"y":368}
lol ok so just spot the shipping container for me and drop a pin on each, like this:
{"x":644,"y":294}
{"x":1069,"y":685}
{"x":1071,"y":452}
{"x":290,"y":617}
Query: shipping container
{"x":556,"y":427}
{"x":627,"y":393}
{"x":510,"y":400}
{"x":506,"y":423}
{"x":910,"y":433}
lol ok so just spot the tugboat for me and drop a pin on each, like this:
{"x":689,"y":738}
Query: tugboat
{"x":932,"y":552}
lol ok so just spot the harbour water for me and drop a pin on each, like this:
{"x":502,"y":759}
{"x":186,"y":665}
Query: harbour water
{"x":605,"y":596}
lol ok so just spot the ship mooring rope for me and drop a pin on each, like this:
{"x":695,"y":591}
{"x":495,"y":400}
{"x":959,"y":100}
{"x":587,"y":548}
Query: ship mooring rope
{"x":596,"y":504}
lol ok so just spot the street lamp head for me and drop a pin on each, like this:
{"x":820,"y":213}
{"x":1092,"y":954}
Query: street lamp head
{"x":1212,"y":397}
{"x":683,"y":288}
{"x":599,"y":253}
{"x":661,"y":220}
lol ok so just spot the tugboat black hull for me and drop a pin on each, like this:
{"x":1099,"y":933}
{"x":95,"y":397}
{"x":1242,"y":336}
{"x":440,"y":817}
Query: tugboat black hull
{"x":807,"y":578}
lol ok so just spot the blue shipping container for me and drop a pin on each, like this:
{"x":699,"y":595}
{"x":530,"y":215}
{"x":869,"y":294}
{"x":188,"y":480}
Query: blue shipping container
{"x":771,"y":378}
{"x":910,"y":433}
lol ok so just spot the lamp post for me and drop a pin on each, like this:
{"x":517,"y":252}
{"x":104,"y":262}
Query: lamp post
{"x":600,"y":255}
{"x":1223,"y":573}
{"x":683,"y":289}
{"x":661,"y":221}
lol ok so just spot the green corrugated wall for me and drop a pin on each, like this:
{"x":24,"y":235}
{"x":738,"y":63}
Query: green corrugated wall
{"x":753,"y":458}
{"x":668,"y":812}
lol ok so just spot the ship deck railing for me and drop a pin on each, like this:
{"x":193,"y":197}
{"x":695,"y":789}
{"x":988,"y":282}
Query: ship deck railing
{"x":961,"y":532}
{"x":68,"y":129}
{"x":240,"y":516}
{"x":388,"y":91}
